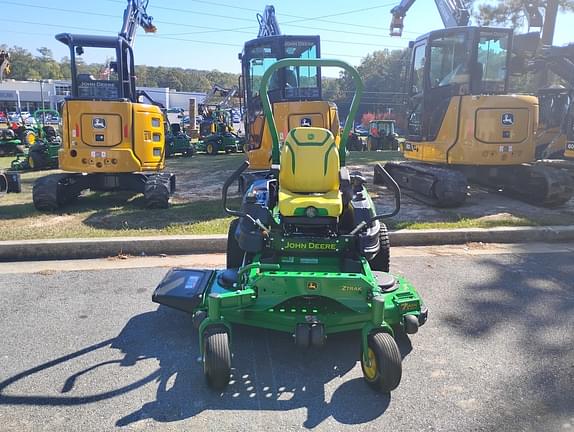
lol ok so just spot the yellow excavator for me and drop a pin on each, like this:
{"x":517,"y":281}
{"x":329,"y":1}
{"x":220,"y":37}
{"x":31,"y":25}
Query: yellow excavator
{"x":295,"y":92}
{"x":111,"y":141}
{"x":463,"y":124}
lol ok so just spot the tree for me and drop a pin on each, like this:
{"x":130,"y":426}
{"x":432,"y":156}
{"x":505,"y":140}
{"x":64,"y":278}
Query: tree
{"x":512,"y":12}
{"x":383,"y":75}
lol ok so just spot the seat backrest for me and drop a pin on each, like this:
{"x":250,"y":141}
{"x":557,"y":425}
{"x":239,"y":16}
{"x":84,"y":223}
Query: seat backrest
{"x":309,"y":161}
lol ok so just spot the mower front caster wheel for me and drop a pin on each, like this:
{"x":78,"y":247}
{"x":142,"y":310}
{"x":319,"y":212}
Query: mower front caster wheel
{"x":217,"y":359}
{"x":385,"y":369}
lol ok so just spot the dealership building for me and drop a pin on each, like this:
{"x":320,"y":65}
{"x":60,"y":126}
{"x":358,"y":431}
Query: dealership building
{"x":32,"y":95}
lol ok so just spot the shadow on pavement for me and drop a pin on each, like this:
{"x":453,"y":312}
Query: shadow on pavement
{"x":269,"y":374}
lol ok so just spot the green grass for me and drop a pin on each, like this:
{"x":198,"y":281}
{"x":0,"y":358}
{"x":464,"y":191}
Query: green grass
{"x":466,"y":223}
{"x":124,"y":214}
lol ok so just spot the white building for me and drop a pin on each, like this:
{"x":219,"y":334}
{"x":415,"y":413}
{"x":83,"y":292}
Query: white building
{"x":32,"y":95}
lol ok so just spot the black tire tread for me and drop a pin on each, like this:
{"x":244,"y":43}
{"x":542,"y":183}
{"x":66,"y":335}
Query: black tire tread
{"x":382,"y":260}
{"x":156,"y":192}
{"x":234,"y":255}
{"x":389,"y":361}
{"x":45,"y":193}
{"x":217,"y":359}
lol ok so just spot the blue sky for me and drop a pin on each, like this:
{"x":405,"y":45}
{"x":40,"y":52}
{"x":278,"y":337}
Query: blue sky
{"x":209,"y":34}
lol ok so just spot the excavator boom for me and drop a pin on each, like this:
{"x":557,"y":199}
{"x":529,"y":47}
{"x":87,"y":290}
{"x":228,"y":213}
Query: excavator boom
{"x":454,"y":13}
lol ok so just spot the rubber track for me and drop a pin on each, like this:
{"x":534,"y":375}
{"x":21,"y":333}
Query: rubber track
{"x":535,"y":184}
{"x":156,"y":191}
{"x":46,"y":192}
{"x":434,"y":185}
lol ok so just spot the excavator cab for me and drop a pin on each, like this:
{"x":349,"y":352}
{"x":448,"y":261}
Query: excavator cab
{"x":295,"y":93}
{"x":460,"y":110}
{"x":463,"y":125}
{"x":450,"y":66}
{"x":105,"y":128}
{"x":111,"y":141}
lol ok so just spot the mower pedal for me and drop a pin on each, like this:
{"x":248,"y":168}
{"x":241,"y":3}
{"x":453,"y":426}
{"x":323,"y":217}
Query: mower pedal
{"x":182,"y":289}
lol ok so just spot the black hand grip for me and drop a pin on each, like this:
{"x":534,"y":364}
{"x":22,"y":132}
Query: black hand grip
{"x":236,"y":174}
{"x":391,"y":184}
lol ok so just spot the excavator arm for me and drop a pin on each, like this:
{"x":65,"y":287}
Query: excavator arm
{"x":268,"y":25}
{"x":454,"y":13}
{"x":136,"y":15}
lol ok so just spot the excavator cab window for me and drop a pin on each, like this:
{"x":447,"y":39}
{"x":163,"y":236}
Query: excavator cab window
{"x":296,"y":83}
{"x":449,"y":58}
{"x":492,"y":62}
{"x":454,"y":62}
{"x":114,"y":79}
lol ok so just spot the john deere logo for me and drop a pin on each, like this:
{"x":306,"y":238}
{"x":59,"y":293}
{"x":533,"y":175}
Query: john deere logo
{"x":312,"y":286}
{"x":306,"y":122}
{"x":98,"y":123}
{"x":507,"y":119}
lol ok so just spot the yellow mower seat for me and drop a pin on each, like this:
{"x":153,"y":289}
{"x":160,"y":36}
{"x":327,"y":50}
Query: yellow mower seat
{"x":309,"y":174}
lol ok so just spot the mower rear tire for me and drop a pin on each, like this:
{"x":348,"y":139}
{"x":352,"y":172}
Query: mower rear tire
{"x":217,"y":359}
{"x":234,"y":253}
{"x":384,"y":373}
{"x":212,"y":148}
{"x":38,"y":160}
{"x":382,"y":260}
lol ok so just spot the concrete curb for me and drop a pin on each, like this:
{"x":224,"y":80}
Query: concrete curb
{"x":34,"y":250}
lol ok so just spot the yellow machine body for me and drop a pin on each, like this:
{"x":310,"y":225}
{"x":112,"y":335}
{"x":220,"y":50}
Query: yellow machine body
{"x":473,"y":132}
{"x":289,"y":115}
{"x":569,"y":152}
{"x":111,"y":137}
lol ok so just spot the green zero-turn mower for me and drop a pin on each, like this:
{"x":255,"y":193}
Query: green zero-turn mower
{"x":307,"y":255}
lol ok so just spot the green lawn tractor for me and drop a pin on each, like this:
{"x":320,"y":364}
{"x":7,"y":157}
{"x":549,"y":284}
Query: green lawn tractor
{"x":217,"y":135}
{"x":177,"y":141}
{"x":382,"y":135}
{"x":10,"y":142}
{"x":43,"y":152}
{"x":306,"y":255}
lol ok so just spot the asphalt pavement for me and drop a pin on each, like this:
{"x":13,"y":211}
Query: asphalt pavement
{"x":88,"y":351}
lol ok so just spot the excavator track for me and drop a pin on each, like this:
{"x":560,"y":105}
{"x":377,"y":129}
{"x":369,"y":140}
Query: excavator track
{"x":535,"y":184}
{"x":564,"y":165}
{"x":433,"y":185}
{"x":54,"y":191}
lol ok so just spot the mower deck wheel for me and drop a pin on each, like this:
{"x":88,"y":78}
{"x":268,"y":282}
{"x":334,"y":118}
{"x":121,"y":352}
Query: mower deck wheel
{"x":217,"y":359}
{"x":385,"y":369}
